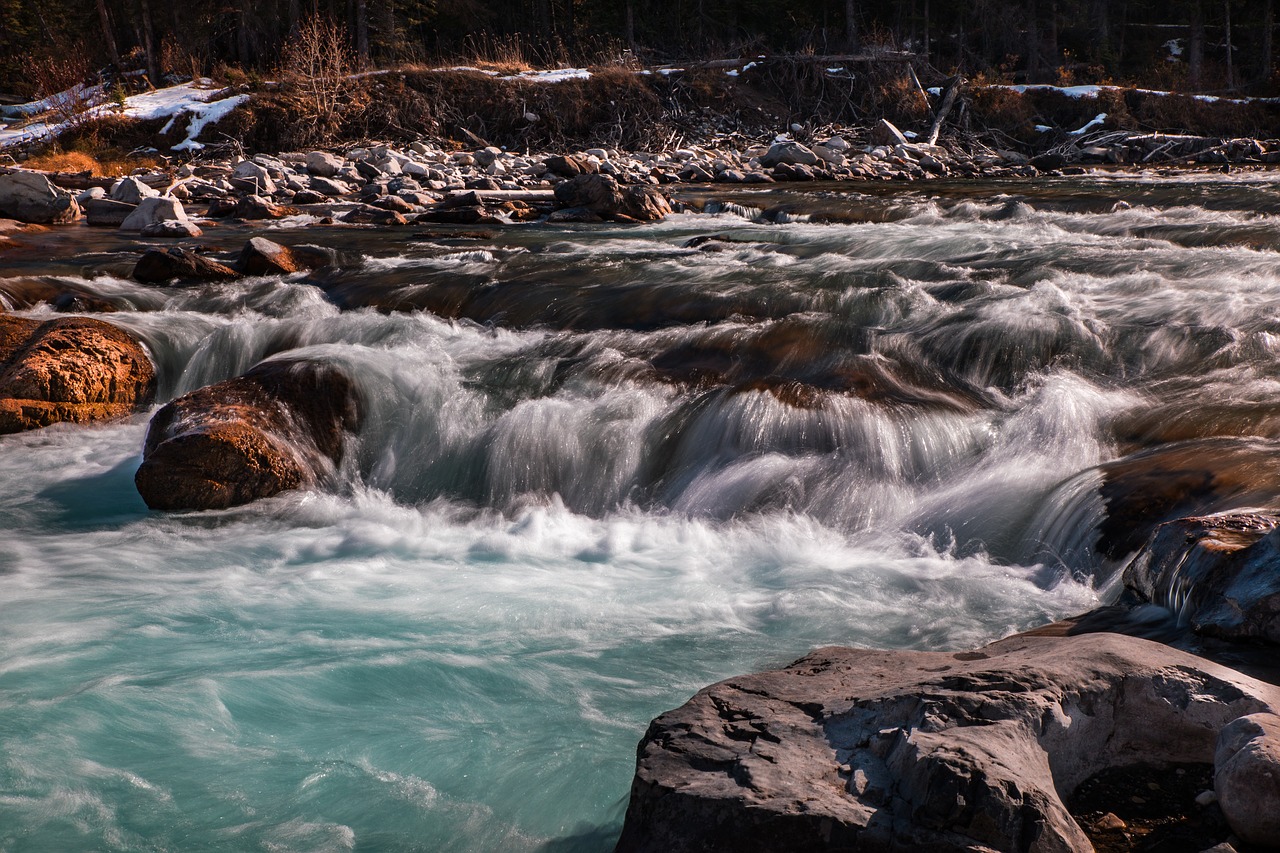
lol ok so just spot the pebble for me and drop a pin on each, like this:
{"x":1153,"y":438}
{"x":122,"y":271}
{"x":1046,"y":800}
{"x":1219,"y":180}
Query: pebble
{"x":1206,"y":798}
{"x":1110,"y":822}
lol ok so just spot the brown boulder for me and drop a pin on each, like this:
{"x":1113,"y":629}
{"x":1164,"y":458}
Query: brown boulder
{"x":70,"y":369}
{"x":158,"y":266}
{"x":601,"y":195}
{"x":570,"y":166}
{"x":278,"y":427}
{"x":263,"y":257}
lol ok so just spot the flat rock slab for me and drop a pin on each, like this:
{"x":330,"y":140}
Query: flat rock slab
{"x":893,"y":751}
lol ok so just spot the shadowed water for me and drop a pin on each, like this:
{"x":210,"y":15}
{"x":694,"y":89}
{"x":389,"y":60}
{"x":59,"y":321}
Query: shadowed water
{"x":600,"y":468}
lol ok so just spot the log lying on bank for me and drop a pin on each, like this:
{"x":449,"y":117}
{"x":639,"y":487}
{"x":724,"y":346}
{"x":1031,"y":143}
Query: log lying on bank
{"x":878,"y":751}
{"x":74,"y":370}
{"x":280,"y":426}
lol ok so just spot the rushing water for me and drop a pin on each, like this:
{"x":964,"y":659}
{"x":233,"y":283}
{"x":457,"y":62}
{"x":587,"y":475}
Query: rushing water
{"x":600,"y":468}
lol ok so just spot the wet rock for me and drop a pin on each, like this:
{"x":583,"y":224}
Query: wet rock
{"x":104,"y":212}
{"x":1191,"y":478}
{"x":153,"y":210}
{"x":1247,"y":778}
{"x":373,"y":216}
{"x":159,"y":266}
{"x":579,"y":215}
{"x":263,"y":257}
{"x":602,"y":195}
{"x":172,"y":229}
{"x":30,"y":197}
{"x":1219,"y":572}
{"x":255,"y":207}
{"x":888,"y":751}
{"x":281,"y":426}
{"x":1049,"y":161}
{"x":73,"y":370}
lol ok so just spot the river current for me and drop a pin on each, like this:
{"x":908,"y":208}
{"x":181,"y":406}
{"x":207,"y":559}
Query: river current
{"x":600,"y":468}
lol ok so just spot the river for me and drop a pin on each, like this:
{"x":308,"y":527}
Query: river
{"x":600,"y":468}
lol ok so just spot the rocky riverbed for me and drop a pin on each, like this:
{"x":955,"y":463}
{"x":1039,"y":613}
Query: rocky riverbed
{"x":986,"y":406}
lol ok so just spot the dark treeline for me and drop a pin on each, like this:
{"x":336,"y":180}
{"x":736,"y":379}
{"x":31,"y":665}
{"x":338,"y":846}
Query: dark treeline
{"x":1206,"y":45}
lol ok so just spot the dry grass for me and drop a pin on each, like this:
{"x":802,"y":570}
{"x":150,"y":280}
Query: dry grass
{"x":106,"y":164}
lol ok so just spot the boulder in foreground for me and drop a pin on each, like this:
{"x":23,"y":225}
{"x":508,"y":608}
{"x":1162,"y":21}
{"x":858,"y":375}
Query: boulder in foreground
{"x":73,"y":369}
{"x":280,"y":426}
{"x":890,"y":751}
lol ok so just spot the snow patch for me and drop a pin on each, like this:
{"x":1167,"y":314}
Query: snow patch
{"x":1097,"y":122}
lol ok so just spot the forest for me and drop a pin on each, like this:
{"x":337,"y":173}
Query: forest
{"x":1190,"y":45}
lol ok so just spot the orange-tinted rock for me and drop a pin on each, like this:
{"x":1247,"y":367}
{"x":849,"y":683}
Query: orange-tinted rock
{"x":278,"y":427}
{"x":73,"y":369}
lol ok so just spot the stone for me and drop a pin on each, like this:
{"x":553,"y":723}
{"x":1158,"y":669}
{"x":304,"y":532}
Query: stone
{"x":789,"y":152}
{"x":72,"y":369}
{"x":106,"y":213}
{"x":602,"y":195}
{"x":160,"y":266}
{"x":1218,"y":572}
{"x":30,"y":197}
{"x":130,"y":190}
{"x":254,"y":207}
{"x":829,"y":155}
{"x":172,"y":229}
{"x":281,"y":426}
{"x":250,"y":177}
{"x":260,"y":256}
{"x":569,"y":166}
{"x":324,"y":165}
{"x":446,"y":214}
{"x":309,"y":197}
{"x":327,"y":186}
{"x":373,"y":216}
{"x":152,"y":210}
{"x":888,"y":751}
{"x":1048,"y":162}
{"x":884,"y":132}
{"x":1246,"y":778}
{"x":91,"y":194}
{"x":394,"y":202}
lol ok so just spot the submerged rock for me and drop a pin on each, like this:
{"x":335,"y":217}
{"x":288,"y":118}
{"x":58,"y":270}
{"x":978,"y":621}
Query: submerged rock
{"x":880,"y":751}
{"x":280,"y":426}
{"x":158,"y":266}
{"x":71,"y":369}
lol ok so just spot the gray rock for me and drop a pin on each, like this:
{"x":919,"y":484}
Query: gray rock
{"x":886,"y":133}
{"x":829,"y":155}
{"x":1247,"y":778}
{"x":152,"y":210}
{"x":91,"y":194}
{"x":31,"y":197}
{"x":328,"y":186}
{"x":172,"y":228}
{"x":131,"y":191}
{"x":105,"y":212}
{"x":250,"y":177}
{"x":891,"y":751}
{"x":792,"y":153}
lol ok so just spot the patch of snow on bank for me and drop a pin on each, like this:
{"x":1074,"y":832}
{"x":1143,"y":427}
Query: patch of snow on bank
{"x":555,"y":75}
{"x":1097,"y":122}
{"x":204,"y":105}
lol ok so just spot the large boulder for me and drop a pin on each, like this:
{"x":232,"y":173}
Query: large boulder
{"x":854,"y":749}
{"x":602,"y":195}
{"x":130,"y":190}
{"x":1221,"y":573}
{"x":160,"y":266}
{"x":252,"y":178}
{"x":261,"y":256}
{"x":72,"y":369}
{"x":280,"y":426}
{"x":1247,"y":778}
{"x":31,"y":197}
{"x":323,"y":164}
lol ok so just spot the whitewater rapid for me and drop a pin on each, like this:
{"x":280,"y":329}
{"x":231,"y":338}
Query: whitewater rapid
{"x":599,"y":469}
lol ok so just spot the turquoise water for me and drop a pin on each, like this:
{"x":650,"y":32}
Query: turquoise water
{"x":458,"y":642}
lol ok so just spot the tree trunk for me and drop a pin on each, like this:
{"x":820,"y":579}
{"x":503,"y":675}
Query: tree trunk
{"x":1268,"y":28}
{"x":1034,"y":58}
{"x":362,"y":33}
{"x":149,"y":43}
{"x":1226,"y":26}
{"x":107,"y":35}
{"x":629,"y":25}
{"x":851,"y":25}
{"x":1195,"y":47}
{"x":242,"y":33}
